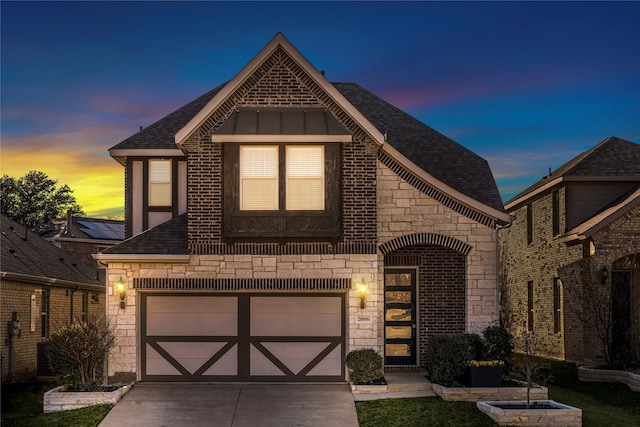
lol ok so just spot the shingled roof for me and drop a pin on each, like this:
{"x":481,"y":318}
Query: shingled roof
{"x":613,"y":157}
{"x":161,"y":134}
{"x":436,"y":154}
{"x":30,"y":257}
{"x":169,"y":238}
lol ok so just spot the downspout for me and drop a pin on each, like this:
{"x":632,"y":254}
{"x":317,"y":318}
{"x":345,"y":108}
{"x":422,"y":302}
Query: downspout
{"x":499,"y":294}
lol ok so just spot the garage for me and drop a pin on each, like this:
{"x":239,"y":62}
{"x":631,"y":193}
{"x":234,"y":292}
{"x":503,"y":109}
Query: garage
{"x":242,"y":337}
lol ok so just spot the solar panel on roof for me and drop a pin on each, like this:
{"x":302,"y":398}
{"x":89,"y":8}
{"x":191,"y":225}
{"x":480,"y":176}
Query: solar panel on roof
{"x":103,"y":230}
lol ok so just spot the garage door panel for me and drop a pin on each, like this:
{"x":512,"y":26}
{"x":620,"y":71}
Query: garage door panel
{"x":206,"y":316}
{"x":308,"y":324}
{"x":330,"y":365}
{"x":158,"y":365}
{"x":208,"y":337}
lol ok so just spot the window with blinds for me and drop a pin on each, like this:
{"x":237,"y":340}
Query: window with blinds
{"x":160,"y":183}
{"x":259,"y":178}
{"x":305,"y":178}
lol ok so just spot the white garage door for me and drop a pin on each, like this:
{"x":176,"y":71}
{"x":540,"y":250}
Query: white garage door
{"x":242,"y":337}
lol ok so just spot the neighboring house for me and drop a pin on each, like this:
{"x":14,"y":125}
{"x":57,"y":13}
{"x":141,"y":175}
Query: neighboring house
{"x":83,"y":237}
{"x":279,"y":221}
{"x":574,"y":245}
{"x":41,"y":286}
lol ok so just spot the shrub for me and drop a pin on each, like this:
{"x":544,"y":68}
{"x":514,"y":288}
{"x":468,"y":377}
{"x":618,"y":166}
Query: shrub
{"x":77,"y":352}
{"x":448,"y":355}
{"x":498,"y":345}
{"x":365,"y":365}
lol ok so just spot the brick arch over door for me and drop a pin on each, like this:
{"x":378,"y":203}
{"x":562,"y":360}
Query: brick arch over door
{"x":441,"y":289}
{"x":425,"y":239}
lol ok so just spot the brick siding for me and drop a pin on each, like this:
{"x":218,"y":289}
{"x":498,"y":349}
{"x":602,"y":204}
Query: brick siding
{"x":279,"y":82}
{"x":545,"y":259}
{"x":16,"y":296}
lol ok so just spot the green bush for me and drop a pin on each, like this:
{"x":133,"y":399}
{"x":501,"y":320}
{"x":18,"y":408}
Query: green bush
{"x":448,"y":354}
{"x":77,"y":352}
{"x":365,"y":366}
{"x":498,"y":345}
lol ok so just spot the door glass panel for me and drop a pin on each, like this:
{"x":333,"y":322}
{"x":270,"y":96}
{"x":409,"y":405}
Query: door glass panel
{"x":398,"y":331}
{"x":397,"y":350}
{"x":398,"y":314}
{"x":398,"y":296}
{"x":403,"y":279}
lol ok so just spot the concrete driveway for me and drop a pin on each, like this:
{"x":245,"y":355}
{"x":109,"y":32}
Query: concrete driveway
{"x":234,"y":405}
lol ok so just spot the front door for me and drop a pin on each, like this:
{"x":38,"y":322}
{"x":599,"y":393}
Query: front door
{"x":621,"y":318}
{"x":400,"y":317}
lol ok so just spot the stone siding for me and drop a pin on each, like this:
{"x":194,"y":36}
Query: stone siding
{"x":123,"y":357}
{"x":403,"y":210}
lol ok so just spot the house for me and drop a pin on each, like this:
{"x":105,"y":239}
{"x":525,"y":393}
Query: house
{"x":570,"y":260}
{"x":42,"y":286}
{"x":280,"y":221}
{"x":83,"y":236}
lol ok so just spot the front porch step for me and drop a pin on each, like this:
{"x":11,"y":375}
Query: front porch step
{"x":409,"y":381}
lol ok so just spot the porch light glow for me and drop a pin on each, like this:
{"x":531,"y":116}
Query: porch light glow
{"x":122,"y":290}
{"x":362,"y":290}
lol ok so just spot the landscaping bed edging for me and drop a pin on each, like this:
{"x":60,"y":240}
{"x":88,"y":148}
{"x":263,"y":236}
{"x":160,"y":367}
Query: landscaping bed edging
{"x":559,"y":415}
{"x":632,"y":380}
{"x":58,"y":399}
{"x":475,"y":394}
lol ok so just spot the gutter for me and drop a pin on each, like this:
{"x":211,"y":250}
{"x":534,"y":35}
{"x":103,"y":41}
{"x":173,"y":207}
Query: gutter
{"x":151,"y":258}
{"x":50,"y":281}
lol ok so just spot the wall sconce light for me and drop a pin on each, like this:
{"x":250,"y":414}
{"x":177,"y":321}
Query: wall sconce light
{"x":362,"y":291}
{"x":122,"y":290}
{"x":604,"y":274}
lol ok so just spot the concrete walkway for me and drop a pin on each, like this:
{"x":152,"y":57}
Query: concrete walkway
{"x":234,"y":405}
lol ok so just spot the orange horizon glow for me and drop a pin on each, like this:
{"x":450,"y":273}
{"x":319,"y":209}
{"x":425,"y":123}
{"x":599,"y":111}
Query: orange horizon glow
{"x":97,"y":181}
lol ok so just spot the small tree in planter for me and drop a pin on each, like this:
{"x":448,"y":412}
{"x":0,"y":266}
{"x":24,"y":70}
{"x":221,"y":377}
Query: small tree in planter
{"x":365,"y":366}
{"x":531,"y":366}
{"x":77,"y":352}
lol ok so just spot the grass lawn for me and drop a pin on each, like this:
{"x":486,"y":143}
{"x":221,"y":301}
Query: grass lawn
{"x":602,"y":404}
{"x":420,"y":412}
{"x":22,"y":407}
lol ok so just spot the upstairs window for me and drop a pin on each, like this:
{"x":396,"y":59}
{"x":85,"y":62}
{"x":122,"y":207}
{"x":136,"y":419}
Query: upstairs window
{"x":259,"y":178}
{"x":160,"y":183}
{"x":529,"y":224}
{"x":555,"y":203}
{"x":305,"y":178}
{"x":304,"y":181}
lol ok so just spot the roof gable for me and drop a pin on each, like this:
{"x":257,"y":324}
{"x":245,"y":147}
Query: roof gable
{"x":613,"y":158}
{"x":237,"y":88}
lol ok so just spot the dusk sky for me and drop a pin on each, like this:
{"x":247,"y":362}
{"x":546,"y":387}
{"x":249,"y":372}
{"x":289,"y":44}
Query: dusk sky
{"x":526,"y":85}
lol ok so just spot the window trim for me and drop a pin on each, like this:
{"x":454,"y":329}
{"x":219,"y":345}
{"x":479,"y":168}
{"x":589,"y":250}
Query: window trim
{"x":45,"y":312}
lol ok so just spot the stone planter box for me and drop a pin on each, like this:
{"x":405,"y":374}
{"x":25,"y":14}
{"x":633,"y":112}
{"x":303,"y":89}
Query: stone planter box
{"x":609,"y":376}
{"x":58,"y":399}
{"x":558,"y":415}
{"x":366,"y":389}
{"x":475,"y":394}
